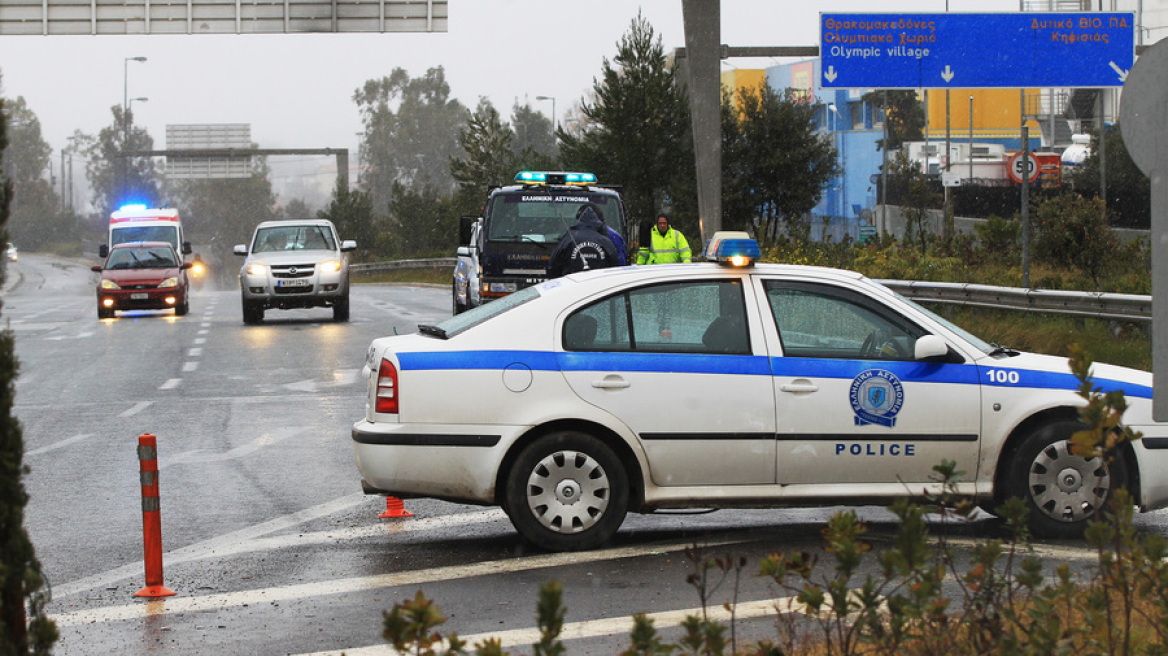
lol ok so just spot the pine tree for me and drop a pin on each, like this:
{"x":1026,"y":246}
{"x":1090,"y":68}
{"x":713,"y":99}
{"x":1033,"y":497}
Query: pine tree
{"x":20,"y":577}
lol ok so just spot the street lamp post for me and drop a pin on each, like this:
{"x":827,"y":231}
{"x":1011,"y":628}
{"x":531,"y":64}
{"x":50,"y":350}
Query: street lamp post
{"x":553,"y":99}
{"x":126,"y":117}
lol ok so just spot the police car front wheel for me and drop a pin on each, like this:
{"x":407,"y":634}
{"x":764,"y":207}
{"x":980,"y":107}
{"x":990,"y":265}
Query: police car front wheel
{"x":567,"y":491}
{"x":1063,"y":491}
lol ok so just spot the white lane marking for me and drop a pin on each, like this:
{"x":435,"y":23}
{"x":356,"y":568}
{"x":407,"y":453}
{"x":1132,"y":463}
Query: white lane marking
{"x":340,"y":378}
{"x":745,"y":610}
{"x":211,"y":547}
{"x":200,"y":340}
{"x":190,"y":366}
{"x":170,"y":384}
{"x":59,"y":338}
{"x":203,"y":331}
{"x":138,"y":407}
{"x":223,"y":601}
{"x":58,"y":445}
{"x":205,"y":324}
{"x":206,"y":455}
{"x":195,"y":352}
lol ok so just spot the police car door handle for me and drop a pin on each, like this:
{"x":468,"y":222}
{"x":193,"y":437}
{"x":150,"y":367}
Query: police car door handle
{"x":611,"y":382}
{"x":795,"y":387}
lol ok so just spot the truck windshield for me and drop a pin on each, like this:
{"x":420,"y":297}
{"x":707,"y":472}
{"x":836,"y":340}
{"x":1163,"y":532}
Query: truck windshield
{"x":544,"y":218}
{"x":127,"y":234}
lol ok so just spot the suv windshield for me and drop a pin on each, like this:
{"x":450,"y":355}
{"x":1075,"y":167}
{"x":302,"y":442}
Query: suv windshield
{"x":294,"y":238}
{"x":544,"y":218}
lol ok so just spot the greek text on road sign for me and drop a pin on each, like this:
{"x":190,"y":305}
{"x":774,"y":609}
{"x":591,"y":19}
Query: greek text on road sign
{"x":940,"y":51}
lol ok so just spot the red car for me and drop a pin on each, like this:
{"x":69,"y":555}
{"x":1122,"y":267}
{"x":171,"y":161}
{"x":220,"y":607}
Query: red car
{"x":144,"y":275}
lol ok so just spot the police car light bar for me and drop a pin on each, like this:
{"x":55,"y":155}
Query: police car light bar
{"x":555,"y":177}
{"x":733,"y":248}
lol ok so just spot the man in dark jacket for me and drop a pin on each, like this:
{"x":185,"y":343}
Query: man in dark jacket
{"x":584,"y":247}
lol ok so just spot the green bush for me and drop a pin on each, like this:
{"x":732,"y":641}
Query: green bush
{"x":1073,"y":232}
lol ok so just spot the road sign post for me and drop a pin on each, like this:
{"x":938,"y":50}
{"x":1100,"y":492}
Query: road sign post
{"x":951,"y":51}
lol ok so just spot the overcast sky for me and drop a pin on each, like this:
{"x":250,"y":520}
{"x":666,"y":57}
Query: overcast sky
{"x":296,"y":90}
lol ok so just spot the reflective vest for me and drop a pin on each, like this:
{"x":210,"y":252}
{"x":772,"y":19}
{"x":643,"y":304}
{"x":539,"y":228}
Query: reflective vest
{"x":665,"y":249}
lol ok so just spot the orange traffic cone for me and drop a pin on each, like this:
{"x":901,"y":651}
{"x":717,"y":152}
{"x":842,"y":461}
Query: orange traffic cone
{"x":395,"y":507}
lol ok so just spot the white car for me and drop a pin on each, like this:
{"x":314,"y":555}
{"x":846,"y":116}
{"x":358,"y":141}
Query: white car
{"x":294,"y":264}
{"x":705,"y":385}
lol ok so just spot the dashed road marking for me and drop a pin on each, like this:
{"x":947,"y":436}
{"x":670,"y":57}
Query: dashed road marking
{"x":195,"y":352}
{"x":190,"y":366}
{"x":138,"y":407}
{"x":170,"y":384}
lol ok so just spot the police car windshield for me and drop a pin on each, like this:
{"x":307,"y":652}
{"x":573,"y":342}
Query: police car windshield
{"x":475,"y":316}
{"x":974,"y":340}
{"x":543,"y":217}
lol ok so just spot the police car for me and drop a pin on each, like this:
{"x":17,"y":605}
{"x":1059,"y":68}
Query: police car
{"x":729,"y":384}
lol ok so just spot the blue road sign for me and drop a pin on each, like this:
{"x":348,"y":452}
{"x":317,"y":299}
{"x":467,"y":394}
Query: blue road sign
{"x":974,"y":51}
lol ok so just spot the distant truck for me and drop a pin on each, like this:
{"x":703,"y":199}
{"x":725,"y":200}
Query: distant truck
{"x":507,"y":248}
{"x":139,"y":223}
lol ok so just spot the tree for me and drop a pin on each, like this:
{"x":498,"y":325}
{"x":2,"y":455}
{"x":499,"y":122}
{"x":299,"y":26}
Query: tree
{"x":637,"y":130}
{"x":534,"y":144}
{"x":488,"y":152}
{"x":219,"y":213}
{"x":420,"y":223}
{"x":905,"y":116}
{"x":777,"y":163}
{"x":20,"y":575}
{"x":37,"y":218}
{"x":352,"y":212}
{"x":1128,"y":189}
{"x":411,"y":130}
{"x":117,"y":179}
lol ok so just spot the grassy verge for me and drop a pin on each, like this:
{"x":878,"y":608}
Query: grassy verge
{"x":429,"y":276}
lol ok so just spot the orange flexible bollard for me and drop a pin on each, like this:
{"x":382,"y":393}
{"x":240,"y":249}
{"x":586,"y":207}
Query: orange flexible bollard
{"x":151,"y":518}
{"x":395,"y":507}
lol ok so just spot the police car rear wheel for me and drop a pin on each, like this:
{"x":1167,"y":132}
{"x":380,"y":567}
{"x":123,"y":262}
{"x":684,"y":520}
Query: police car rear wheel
{"x":1063,"y":491}
{"x":567,"y":491}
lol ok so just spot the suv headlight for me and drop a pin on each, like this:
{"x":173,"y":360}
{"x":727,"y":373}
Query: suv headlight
{"x":169,"y":282}
{"x":330,"y":266}
{"x":257,"y":270}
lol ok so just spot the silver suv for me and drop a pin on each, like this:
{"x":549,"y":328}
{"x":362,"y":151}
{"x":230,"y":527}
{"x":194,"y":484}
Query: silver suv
{"x":295,"y":264}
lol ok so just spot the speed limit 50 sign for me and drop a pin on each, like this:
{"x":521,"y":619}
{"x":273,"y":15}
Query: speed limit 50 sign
{"x":1022,"y":166}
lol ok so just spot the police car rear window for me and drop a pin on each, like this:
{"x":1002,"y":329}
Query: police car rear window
{"x":475,"y":316}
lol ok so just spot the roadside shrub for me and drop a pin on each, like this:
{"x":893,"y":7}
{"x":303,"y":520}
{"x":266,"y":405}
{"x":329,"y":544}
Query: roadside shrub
{"x":1073,"y":232}
{"x":1000,"y":236}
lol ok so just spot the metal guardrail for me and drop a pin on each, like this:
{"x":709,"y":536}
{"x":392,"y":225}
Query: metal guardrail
{"x":374,"y":267}
{"x":1102,"y":305}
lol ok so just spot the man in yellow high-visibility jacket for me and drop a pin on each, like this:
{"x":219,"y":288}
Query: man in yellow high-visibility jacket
{"x":666,"y":245}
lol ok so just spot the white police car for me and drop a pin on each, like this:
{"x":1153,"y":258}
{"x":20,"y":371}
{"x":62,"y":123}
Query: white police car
{"x":704,"y":385}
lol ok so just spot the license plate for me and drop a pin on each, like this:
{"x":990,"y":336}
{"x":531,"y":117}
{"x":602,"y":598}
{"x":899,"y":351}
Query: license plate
{"x":139,"y":297}
{"x":301,"y":282}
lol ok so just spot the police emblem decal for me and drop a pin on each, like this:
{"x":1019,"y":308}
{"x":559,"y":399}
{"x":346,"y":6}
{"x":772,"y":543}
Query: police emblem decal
{"x":876,"y":397}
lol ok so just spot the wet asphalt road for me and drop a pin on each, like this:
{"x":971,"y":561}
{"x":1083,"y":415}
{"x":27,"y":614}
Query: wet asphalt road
{"x":269,"y":543}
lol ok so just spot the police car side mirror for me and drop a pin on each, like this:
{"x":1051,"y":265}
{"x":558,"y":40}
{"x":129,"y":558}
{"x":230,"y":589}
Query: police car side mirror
{"x":240,"y":249}
{"x":931,"y":347}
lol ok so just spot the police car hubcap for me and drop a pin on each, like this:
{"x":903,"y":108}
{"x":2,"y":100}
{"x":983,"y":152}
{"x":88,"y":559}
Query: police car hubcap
{"x":1066,"y":486}
{"x":568,"y":491}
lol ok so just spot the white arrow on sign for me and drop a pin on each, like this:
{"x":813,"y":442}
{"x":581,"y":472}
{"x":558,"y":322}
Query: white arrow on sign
{"x":1122,"y":73}
{"x":948,"y":74}
{"x":830,"y":74}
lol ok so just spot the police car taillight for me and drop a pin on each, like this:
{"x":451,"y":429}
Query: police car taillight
{"x":386,"y":401}
{"x":732,"y":248}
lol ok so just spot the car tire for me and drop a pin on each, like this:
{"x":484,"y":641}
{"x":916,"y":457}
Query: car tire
{"x":567,"y":491}
{"x":253,"y":313}
{"x":341,"y":309}
{"x":182,"y":310}
{"x":458,"y":308}
{"x":103,"y":313}
{"x":1062,"y":491}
